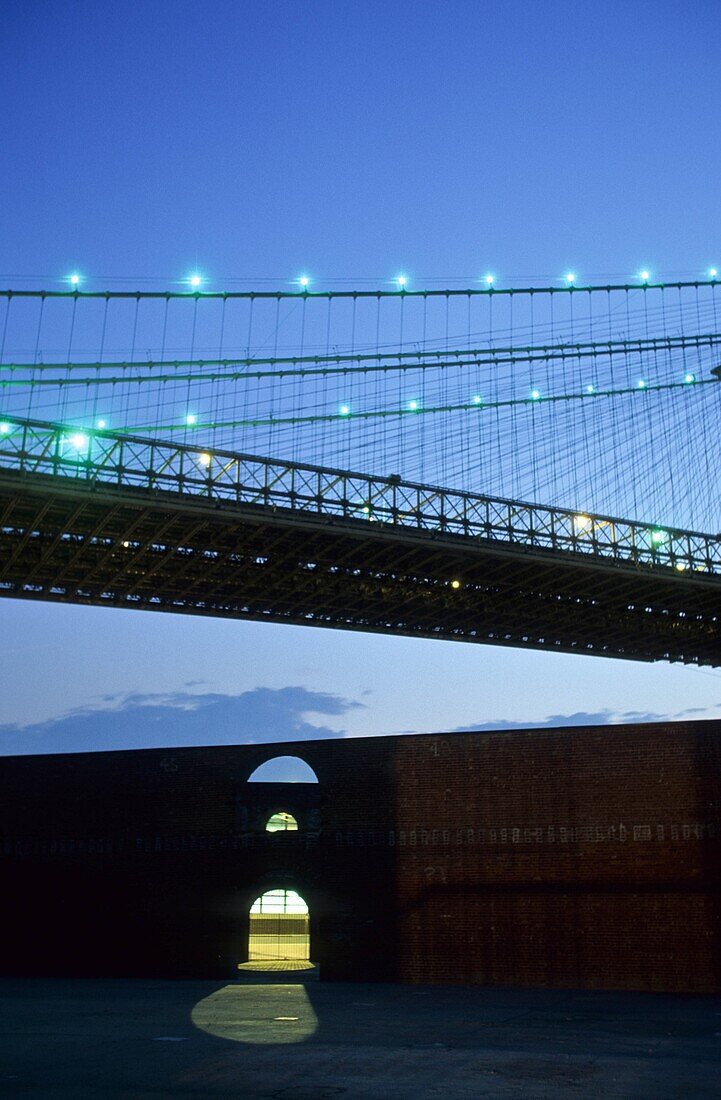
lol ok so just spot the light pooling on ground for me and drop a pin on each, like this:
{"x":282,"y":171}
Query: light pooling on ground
{"x":249,"y":1014}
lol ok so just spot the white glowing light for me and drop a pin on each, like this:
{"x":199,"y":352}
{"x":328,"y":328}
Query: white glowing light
{"x":582,"y":523}
{"x":712,"y":272}
{"x":590,"y":389}
{"x":645,"y":276}
{"x":204,"y":459}
{"x":304,"y":281}
{"x":681,"y":566}
{"x":101,"y":423}
{"x":688,"y":378}
{"x":79,"y":441}
{"x":195,"y":280}
{"x":570,"y":278}
{"x":191,"y":418}
{"x":658,"y":536}
{"x":535,"y":395}
{"x":344,"y":410}
{"x":401,"y":281}
{"x":74,"y":279}
{"x":477,"y":400}
{"x":413,"y":405}
{"x":490,"y":280}
{"x":4,"y":429}
{"x":641,"y":384}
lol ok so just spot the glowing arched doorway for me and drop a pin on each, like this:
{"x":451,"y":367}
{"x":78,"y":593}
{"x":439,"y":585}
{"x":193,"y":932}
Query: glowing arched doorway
{"x":279,"y":931}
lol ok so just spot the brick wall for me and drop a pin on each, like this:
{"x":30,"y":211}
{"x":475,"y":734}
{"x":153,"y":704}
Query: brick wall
{"x":569,"y":857}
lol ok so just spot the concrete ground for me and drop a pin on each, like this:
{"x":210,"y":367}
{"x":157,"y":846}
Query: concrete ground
{"x":274,"y":1035}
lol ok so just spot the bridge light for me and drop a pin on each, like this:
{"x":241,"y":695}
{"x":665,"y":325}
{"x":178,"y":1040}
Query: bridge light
{"x":688,"y":378}
{"x":344,"y":410}
{"x":712,"y":272}
{"x":641,"y":384}
{"x":401,"y":282}
{"x":4,"y":429}
{"x":74,"y":279}
{"x":590,"y":389}
{"x":582,"y":523}
{"x":455,"y":584}
{"x":490,"y":280}
{"x":477,"y":399}
{"x":366,"y":510}
{"x":413,"y":406}
{"x":681,"y":566}
{"x":191,"y":419}
{"x":644,"y":276}
{"x":570,"y":278}
{"x":535,"y":395}
{"x":101,"y":423}
{"x":204,"y":459}
{"x":304,"y":282}
{"x":195,"y":280}
{"x":79,"y":441}
{"x":657,"y":537}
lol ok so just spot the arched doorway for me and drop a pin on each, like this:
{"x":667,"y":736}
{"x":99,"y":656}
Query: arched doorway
{"x":279,"y":930}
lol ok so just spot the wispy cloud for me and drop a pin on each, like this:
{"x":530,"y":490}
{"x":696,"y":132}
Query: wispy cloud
{"x":589,"y":718}
{"x":181,"y":718}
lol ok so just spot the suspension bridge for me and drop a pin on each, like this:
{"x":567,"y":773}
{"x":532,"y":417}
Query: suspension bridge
{"x":436,"y":463}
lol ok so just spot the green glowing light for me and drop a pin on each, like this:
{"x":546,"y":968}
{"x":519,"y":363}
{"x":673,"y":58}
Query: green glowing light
{"x":413,"y":406}
{"x":191,"y":418}
{"x":535,"y":395}
{"x":79,"y":441}
{"x":101,"y":423}
{"x":477,"y":399}
{"x":641,"y":384}
{"x":4,"y":429}
{"x":688,"y":378}
{"x":344,"y":410}
{"x":658,"y":537}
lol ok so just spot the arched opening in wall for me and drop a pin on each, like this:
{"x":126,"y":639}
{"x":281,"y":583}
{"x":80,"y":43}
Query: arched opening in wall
{"x":281,"y":822}
{"x":279,"y":932}
{"x":284,"y":769}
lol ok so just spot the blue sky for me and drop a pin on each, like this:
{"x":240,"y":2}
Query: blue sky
{"x":352,"y":141}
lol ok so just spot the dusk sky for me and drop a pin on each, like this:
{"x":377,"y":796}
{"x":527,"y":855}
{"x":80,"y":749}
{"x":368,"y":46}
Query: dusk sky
{"x":351,"y":141}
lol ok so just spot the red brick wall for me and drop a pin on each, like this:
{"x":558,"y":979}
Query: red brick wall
{"x":570,"y":857}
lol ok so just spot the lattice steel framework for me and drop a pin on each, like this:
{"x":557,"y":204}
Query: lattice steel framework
{"x":105,"y":518}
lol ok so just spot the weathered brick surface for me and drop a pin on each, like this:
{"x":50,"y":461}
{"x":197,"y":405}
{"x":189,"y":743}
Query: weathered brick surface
{"x":569,"y":857}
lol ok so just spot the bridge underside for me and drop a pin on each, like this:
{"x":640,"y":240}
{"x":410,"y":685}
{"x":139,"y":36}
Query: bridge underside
{"x":64,"y":541}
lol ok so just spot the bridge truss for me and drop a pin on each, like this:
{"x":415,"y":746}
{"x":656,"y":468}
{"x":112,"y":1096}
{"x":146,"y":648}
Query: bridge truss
{"x":110,"y":519}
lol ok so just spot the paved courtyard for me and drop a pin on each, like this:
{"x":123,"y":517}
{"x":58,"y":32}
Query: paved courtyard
{"x":281,"y":1036}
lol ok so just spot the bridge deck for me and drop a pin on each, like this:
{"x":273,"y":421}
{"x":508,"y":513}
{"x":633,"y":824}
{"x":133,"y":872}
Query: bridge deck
{"x":108,"y":520}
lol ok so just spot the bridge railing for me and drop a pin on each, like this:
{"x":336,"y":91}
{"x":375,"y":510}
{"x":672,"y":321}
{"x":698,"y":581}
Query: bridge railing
{"x":101,"y":458}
